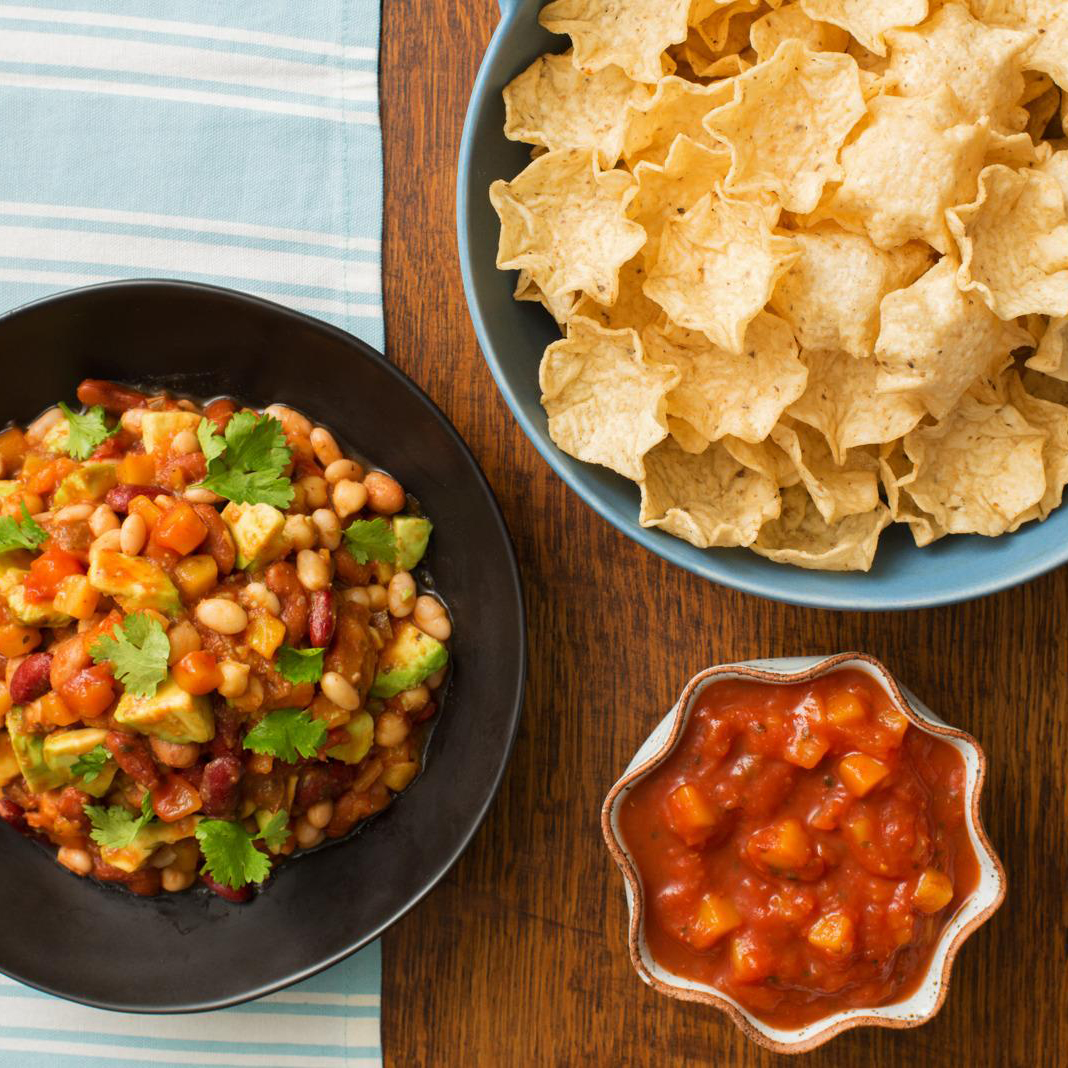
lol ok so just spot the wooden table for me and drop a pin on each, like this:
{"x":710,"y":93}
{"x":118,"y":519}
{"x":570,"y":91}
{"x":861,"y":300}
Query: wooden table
{"x":519,"y":957}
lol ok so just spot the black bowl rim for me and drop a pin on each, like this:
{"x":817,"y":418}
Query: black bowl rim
{"x":366,"y":351}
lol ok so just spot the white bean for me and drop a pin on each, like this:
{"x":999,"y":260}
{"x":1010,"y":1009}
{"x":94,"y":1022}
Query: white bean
{"x":185,"y":442}
{"x":325,"y":447}
{"x":320,"y":814}
{"x":313,"y":569}
{"x":340,"y":469}
{"x":74,"y":513}
{"x":300,"y":531}
{"x":327,"y":527}
{"x":401,"y":595}
{"x":222,"y":615}
{"x":76,"y":860}
{"x":102,"y":520}
{"x":132,"y":534}
{"x":338,"y":689}
{"x":431,"y":618}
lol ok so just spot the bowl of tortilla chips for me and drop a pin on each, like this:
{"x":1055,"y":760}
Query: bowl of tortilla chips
{"x":780,"y":287}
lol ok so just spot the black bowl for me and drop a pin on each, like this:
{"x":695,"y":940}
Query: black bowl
{"x":190,"y":952}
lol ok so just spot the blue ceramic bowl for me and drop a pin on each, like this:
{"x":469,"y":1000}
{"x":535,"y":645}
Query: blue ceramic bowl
{"x":513,"y":335}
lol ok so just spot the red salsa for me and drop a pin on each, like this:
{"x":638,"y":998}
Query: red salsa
{"x":802,"y":848}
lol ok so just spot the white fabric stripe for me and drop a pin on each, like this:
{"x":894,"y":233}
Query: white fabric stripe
{"x":187,"y":29}
{"x":280,"y":1029}
{"x":118,"y":1053}
{"x":185,"y":257}
{"x":188,"y":96}
{"x":283,"y":997}
{"x":183,"y":222}
{"x":84,"y":52}
{"x":302,"y":303}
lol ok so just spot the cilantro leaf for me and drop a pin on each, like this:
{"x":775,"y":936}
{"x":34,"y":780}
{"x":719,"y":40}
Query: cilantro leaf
{"x":248,"y":462}
{"x":89,"y":766}
{"x":287,"y":733}
{"x":275,"y":832}
{"x":21,"y":534}
{"x":86,"y":431}
{"x":116,"y":827}
{"x":300,"y":665}
{"x":371,"y":539}
{"x":230,"y":857}
{"x":138,"y":653}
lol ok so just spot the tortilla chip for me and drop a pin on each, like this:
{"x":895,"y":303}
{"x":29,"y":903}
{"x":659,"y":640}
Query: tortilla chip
{"x":801,"y":536}
{"x":831,"y":295}
{"x":868,"y":20}
{"x":1013,"y":242}
{"x":1015,"y":150}
{"x":632,"y":308}
{"x":1047,"y":18}
{"x":935,"y":340}
{"x":717,"y":265}
{"x":894,"y":467}
{"x":1040,"y":113}
{"x":708,"y":500}
{"x":726,"y":28}
{"x":981,"y":64}
{"x":787,"y":121}
{"x":836,"y":489}
{"x":1053,"y":419}
{"x":1045,"y":387}
{"x":688,"y":439}
{"x":1057,"y":168}
{"x":790,"y":21}
{"x":1051,"y":356}
{"x":555,"y":104}
{"x":978,"y":470}
{"x":720,"y":393}
{"x":913,"y":159}
{"x":606,"y":402}
{"x":564,"y":220}
{"x":560,"y":307}
{"x":872,"y":65}
{"x":843,"y":404}
{"x":677,"y":107}
{"x":631,"y":34}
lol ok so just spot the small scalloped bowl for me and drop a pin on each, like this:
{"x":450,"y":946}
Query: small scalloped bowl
{"x":984,"y":900}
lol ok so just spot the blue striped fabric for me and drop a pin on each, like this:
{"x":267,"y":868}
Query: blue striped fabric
{"x":230,"y":143}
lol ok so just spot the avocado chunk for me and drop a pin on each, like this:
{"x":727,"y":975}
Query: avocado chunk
{"x":7,"y":487}
{"x":58,"y":437}
{"x":9,"y":766}
{"x":89,"y":483}
{"x":406,"y":659}
{"x":147,"y":841}
{"x":259,"y":533}
{"x":158,"y":428}
{"x":34,"y":613}
{"x":63,"y":749}
{"x":361,"y":733}
{"x":134,"y":581}
{"x":412,"y":535}
{"x":171,"y":714}
{"x":29,"y":755}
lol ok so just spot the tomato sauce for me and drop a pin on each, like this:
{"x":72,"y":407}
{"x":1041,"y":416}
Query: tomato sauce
{"x":802,"y":848}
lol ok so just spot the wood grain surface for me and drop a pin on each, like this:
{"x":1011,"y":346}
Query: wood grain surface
{"x":519,"y":957}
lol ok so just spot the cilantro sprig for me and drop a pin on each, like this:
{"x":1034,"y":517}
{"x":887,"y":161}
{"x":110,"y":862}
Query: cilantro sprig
{"x":86,"y":432}
{"x":371,"y":539}
{"x":115,"y":827}
{"x":138,"y":653}
{"x":300,"y":665}
{"x":286,"y":734}
{"x":21,"y":534}
{"x":90,"y":766}
{"x":247,"y":463}
{"x":231,"y":858}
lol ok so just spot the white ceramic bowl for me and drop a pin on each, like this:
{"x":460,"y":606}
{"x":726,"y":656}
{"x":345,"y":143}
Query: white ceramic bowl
{"x":984,"y":900}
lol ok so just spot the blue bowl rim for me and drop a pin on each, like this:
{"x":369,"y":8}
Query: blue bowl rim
{"x":710,"y":568}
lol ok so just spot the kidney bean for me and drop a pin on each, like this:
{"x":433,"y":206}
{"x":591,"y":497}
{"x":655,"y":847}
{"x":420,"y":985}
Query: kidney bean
{"x":113,"y":397}
{"x":227,"y":740}
{"x":30,"y":680}
{"x":118,"y":497}
{"x":319,"y":782}
{"x":239,"y":896}
{"x":133,"y":755}
{"x":350,"y":572}
{"x":184,"y":470}
{"x":282,"y":580}
{"x":72,"y":802}
{"x":219,"y":542}
{"x":13,"y":815}
{"x":194,"y":776}
{"x":220,"y":412}
{"x":354,"y":653}
{"x":322,"y":618}
{"x":219,"y":786}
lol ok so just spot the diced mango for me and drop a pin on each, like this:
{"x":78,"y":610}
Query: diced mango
{"x":195,"y":575}
{"x":860,"y":773}
{"x":76,"y":597}
{"x":716,"y":916}
{"x":934,"y":890}
{"x":748,"y":963}
{"x":16,"y":640}
{"x":265,"y":634}
{"x":845,"y":707}
{"x":137,"y":469}
{"x":782,"y":846}
{"x":805,"y":749}
{"x":690,"y":814}
{"x":834,"y":933}
{"x":145,"y":508}
{"x":894,"y":721}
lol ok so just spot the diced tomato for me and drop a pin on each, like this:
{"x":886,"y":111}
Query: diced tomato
{"x":90,"y":691}
{"x":180,"y":529}
{"x":175,"y":799}
{"x":48,"y":571}
{"x":50,"y":475}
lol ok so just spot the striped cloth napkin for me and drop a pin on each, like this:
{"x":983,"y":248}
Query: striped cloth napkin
{"x":230,"y":143}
